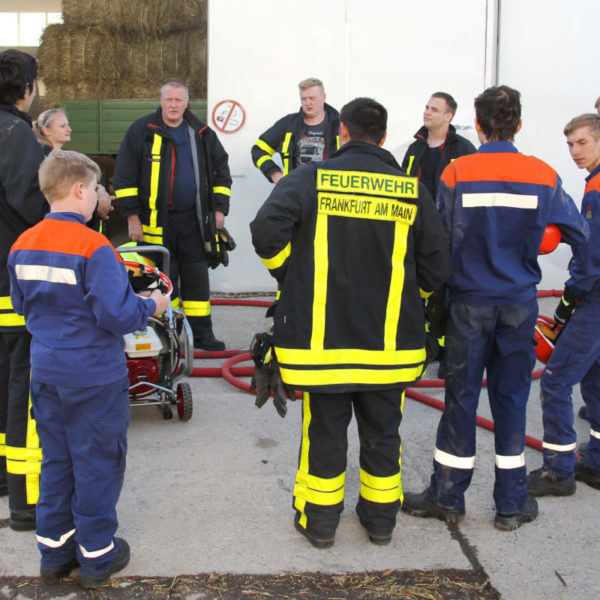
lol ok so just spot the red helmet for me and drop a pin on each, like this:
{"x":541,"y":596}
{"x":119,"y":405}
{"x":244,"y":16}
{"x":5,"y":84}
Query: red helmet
{"x":545,"y":337}
{"x":551,"y":239}
{"x":145,"y":278}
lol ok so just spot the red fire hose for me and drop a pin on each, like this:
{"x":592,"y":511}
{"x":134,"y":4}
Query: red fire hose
{"x":231,"y":373}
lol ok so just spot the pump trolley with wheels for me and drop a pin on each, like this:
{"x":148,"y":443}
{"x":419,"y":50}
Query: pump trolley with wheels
{"x":162,"y":355}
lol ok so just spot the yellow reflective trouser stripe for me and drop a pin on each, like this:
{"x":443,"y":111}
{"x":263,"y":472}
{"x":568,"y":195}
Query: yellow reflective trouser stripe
{"x":309,"y":488}
{"x":392,"y":315}
{"x":299,"y":503}
{"x":196,"y":309}
{"x":27,"y":461}
{"x":349,"y":356}
{"x":264,"y":146}
{"x":324,"y":377}
{"x":321,"y":261}
{"x":221,"y":189}
{"x":411,"y":160}
{"x":276,"y":261}
{"x":126,"y":192}
{"x":175,"y":302}
{"x":380,"y":489}
{"x":2,"y":444}
{"x":9,"y":318}
{"x":154,"y":178}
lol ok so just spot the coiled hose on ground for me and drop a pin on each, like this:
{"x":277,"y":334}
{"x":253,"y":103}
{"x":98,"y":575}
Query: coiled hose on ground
{"x":231,"y":373}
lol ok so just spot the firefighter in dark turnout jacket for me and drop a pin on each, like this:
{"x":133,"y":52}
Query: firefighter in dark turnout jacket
{"x":171,"y":177}
{"x":21,"y":206}
{"x":312,"y":134}
{"x":436,"y":144}
{"x":351,"y":241}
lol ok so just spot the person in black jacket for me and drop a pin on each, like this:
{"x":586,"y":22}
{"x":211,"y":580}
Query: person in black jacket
{"x":22,"y":205}
{"x":311,"y":134}
{"x":437,"y":143}
{"x":173,"y":184}
{"x":354,"y":244}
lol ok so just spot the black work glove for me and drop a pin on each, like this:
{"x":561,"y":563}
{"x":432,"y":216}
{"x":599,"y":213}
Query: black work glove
{"x":565,"y":308}
{"x":432,"y":349}
{"x":435,"y":313}
{"x":266,"y":381}
{"x":223,"y":243}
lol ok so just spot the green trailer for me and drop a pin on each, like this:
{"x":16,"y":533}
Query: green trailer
{"x":100,"y":125}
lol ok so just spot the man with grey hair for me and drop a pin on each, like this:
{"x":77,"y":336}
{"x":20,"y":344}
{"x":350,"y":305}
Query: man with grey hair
{"x":312,"y":134}
{"x":173,"y":184}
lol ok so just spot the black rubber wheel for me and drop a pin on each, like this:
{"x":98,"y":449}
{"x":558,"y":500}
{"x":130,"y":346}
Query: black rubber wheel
{"x":185,"y":403}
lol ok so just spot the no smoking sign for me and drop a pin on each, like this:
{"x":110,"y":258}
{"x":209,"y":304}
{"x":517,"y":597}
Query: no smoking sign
{"x":228,"y":116}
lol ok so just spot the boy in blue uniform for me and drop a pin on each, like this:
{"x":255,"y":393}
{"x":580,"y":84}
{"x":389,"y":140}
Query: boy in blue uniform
{"x":71,"y":286}
{"x":576,"y":357}
{"x":495,"y":204}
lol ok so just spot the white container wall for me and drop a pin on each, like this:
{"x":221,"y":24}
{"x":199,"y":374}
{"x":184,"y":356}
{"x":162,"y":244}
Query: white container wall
{"x":399,"y":52}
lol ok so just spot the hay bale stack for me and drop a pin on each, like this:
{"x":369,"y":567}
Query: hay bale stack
{"x":148,"y":18}
{"x":102,"y":51}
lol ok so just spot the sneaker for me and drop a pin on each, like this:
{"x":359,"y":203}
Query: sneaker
{"x":57,"y":574}
{"x":514,"y":521}
{"x":543,"y":483}
{"x":587,"y":474}
{"x":379,"y":538}
{"x":317,"y":542}
{"x":419,"y":505}
{"x":22,"y":520}
{"x":120,"y":562}
{"x":583,"y":412}
{"x":208,"y":342}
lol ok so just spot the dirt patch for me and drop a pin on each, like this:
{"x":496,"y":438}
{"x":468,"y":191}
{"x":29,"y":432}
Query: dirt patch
{"x":398,"y":585}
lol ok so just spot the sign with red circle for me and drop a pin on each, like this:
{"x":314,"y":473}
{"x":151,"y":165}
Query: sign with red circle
{"x":228,"y":116}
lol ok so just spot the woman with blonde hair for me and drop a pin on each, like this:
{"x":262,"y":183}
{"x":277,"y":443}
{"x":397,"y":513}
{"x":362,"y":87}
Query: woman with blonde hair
{"x":52,"y":129}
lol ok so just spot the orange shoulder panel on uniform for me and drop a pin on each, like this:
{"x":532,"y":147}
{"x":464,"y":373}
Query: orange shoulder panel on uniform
{"x":504,"y":166}
{"x":65,"y":237}
{"x":593,"y":184}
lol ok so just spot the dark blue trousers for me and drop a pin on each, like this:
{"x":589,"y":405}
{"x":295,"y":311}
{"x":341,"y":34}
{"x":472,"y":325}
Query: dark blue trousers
{"x":576,"y":358}
{"x":499,"y":340}
{"x":83,"y":432}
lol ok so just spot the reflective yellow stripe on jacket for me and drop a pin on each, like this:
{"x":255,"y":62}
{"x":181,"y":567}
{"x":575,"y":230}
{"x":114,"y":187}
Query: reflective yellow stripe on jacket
{"x":8,"y":316}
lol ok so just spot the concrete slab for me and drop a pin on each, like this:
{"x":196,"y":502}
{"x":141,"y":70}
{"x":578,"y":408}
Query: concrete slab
{"x":214,"y":495}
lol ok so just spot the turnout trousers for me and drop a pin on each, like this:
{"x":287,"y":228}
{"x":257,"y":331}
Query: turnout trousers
{"x":189,"y":269}
{"x":20,"y":453}
{"x":498,"y":339}
{"x":84,"y":435}
{"x":576,"y":359}
{"x":319,"y":490}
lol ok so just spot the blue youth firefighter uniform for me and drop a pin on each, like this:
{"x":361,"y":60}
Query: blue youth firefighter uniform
{"x":576,"y":356}
{"x":495,"y":205}
{"x":350,"y":241}
{"x":21,"y":206}
{"x":282,"y":138}
{"x":144,"y":183}
{"x":73,"y":289}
